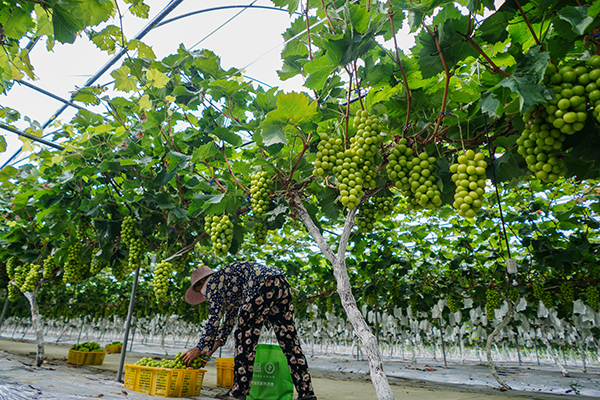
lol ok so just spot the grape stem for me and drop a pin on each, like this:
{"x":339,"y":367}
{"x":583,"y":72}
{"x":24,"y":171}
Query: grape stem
{"x":537,"y":41}
{"x":231,"y":171}
{"x":492,"y":66}
{"x":327,"y":15}
{"x":408,"y":93}
{"x":447,"y":83}
{"x":306,"y":144}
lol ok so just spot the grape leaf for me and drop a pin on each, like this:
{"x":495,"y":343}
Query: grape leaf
{"x":489,"y":104}
{"x":123,"y":81}
{"x":293,"y":109}
{"x":65,"y":25}
{"x":577,"y":17}
{"x":228,"y":136}
{"x":526,"y":79}
{"x":291,"y":5}
{"x":594,"y":9}
{"x":157,"y":78}
{"x":453,"y":47}
{"x":505,"y":168}
{"x":90,"y":13}
{"x":16,"y":21}
{"x":320,"y":69}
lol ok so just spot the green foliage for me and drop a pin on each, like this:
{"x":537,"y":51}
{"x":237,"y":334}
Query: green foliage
{"x":185,"y":139}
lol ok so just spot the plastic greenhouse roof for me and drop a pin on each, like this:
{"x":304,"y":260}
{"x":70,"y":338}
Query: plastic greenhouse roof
{"x":243,"y":33}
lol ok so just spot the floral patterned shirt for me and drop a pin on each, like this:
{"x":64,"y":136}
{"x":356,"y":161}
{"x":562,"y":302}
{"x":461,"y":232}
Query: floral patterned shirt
{"x":230,"y":288}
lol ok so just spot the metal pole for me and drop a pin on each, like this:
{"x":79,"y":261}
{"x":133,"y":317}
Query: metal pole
{"x":4,"y":309}
{"x":128,"y":323}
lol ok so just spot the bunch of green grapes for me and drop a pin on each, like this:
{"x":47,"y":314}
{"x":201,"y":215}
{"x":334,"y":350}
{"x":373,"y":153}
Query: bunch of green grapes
{"x":493,"y":302}
{"x":423,"y":182}
{"x":412,"y":302}
{"x":513,"y":294}
{"x":96,"y":266}
{"x":128,"y":229}
{"x":349,"y":174}
{"x":48,"y":267}
{"x":182,"y":262}
{"x":13,"y":293}
{"x":540,"y":144}
{"x":260,"y":190}
{"x":367,"y":216}
{"x":160,"y":281}
{"x":453,"y":303}
{"x":31,"y":279}
{"x":74,"y":270}
{"x":593,"y":87}
{"x":327,"y":151}
{"x":566,"y":290}
{"x":136,"y":253}
{"x":592,"y":297}
{"x":568,"y":110}
{"x":119,"y":270}
{"x":260,"y":233}
{"x":220,"y":231}
{"x":329,"y":305}
{"x":540,"y":294}
{"x":385,"y":206}
{"x":396,"y":168}
{"x":365,"y":144}
{"x":11,"y":267}
{"x":469,"y":176}
{"x":82,"y":227}
{"x":131,"y":237}
{"x":371,"y":298}
{"x":367,"y":139}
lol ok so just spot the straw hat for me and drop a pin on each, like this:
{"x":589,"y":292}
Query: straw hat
{"x":191,"y":296}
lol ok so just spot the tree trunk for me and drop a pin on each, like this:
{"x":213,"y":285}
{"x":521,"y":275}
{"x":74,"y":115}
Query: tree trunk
{"x":4,"y":309}
{"x":550,"y":349}
{"x":344,"y":289}
{"x":36,"y":321}
{"x":582,"y":354}
{"x":490,"y":339}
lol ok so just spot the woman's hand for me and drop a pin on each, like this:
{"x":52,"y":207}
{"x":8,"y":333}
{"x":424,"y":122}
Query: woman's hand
{"x":191,"y":355}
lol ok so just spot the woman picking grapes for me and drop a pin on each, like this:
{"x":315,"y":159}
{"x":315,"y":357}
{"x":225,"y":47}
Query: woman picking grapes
{"x":252,"y":294}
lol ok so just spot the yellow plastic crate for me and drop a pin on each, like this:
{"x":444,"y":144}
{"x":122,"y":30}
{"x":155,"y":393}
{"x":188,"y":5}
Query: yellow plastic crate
{"x":86,"y":357}
{"x":113,"y":348}
{"x":164,"y":382}
{"x":225,"y":372}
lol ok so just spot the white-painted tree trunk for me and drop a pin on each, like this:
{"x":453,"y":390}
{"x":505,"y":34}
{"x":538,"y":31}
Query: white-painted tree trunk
{"x":490,"y":339}
{"x":582,"y":355}
{"x":38,"y":328}
{"x":344,"y":289}
{"x":550,"y":349}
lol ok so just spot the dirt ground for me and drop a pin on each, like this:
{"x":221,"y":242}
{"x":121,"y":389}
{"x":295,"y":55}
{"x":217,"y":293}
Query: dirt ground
{"x":56,"y":379}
